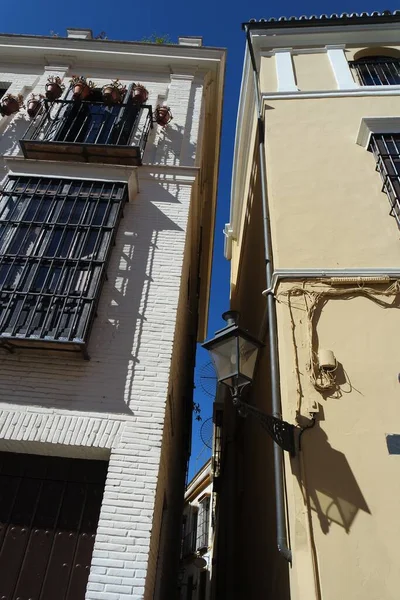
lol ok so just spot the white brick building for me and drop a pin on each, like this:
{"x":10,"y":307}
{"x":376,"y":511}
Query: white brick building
{"x":132,"y":297}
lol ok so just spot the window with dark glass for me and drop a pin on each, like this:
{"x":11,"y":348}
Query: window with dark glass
{"x":377,"y":70}
{"x":203,"y":523}
{"x":386,"y":149}
{"x":93,"y":122}
{"x":55,"y":241}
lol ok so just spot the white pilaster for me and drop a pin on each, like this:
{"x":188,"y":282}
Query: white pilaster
{"x":284,"y":70}
{"x":340,"y":67}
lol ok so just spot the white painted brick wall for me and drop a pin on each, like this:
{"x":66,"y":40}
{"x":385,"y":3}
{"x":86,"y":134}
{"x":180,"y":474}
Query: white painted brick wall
{"x":113,"y":406}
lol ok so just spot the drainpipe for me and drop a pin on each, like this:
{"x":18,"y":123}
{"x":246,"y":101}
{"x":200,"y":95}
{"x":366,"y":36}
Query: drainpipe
{"x":271,"y":320}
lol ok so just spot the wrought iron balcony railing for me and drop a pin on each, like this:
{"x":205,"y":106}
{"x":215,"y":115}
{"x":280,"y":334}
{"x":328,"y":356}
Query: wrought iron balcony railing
{"x":89,"y":132}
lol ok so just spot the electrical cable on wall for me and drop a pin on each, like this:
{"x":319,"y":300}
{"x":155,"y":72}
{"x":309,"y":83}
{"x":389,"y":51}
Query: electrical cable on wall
{"x":314,"y":299}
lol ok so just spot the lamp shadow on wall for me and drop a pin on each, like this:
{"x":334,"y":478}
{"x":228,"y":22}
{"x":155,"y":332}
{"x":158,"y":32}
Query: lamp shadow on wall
{"x":329,"y":486}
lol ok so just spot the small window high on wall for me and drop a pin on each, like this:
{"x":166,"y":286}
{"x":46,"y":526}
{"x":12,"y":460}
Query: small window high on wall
{"x":376,"y":70}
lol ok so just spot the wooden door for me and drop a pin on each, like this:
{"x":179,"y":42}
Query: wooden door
{"x":49,"y":510}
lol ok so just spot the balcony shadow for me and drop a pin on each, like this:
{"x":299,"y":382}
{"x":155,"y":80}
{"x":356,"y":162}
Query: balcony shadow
{"x":329,"y":486}
{"x":129,"y":325}
{"x":11,"y":130}
{"x":175,"y":146}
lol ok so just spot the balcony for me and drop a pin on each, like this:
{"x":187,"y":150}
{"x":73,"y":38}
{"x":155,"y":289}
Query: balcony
{"x":89,"y":131}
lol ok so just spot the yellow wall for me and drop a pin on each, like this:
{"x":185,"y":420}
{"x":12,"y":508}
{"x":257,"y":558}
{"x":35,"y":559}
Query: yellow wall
{"x":268,"y":79}
{"x":313,"y":72}
{"x":351,"y":482}
{"x":327,"y":211}
{"x":358,"y":51}
{"x":326,"y":204}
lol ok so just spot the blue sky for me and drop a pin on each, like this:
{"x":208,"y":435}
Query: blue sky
{"x":219,"y":22}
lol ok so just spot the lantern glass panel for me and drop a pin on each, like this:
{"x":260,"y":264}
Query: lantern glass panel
{"x":247,"y":358}
{"x":224,"y":357}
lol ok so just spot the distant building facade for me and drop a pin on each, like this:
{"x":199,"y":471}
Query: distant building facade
{"x":197,"y":537}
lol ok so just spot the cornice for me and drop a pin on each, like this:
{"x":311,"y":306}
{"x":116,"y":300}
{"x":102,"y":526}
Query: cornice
{"x":363,"y":35}
{"x":242,"y":143}
{"x":103,"y":53}
{"x":374,"y":90}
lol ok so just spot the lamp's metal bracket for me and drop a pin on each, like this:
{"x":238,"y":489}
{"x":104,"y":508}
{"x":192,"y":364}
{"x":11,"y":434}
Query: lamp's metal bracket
{"x":281,"y":432}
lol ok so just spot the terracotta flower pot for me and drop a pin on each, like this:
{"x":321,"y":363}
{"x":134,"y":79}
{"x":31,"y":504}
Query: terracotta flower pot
{"x":139,"y":94}
{"x":33,"y":107}
{"x":111,"y":94}
{"x":9,"y":106}
{"x":53,"y":91}
{"x":81,"y":91}
{"x":162,"y":115}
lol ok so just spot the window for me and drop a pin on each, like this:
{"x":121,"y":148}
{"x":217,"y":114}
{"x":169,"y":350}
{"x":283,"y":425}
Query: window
{"x":377,"y":70}
{"x":55,"y":241}
{"x":386,"y":149}
{"x":203,"y":523}
{"x":190,"y":533}
{"x":92,"y":122}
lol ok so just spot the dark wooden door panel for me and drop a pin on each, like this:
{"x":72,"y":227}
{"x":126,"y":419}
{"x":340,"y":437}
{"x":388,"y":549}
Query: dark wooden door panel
{"x":49,"y":510}
{"x":41,"y":540}
{"x":84,"y":547}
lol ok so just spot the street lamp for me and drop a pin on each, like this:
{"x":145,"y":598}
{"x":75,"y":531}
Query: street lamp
{"x":234,"y":354}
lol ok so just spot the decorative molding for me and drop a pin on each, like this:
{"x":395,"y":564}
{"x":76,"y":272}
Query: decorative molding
{"x":63,"y":68}
{"x":71,"y":170}
{"x":340,"y":68}
{"x":384,"y":90}
{"x":285,"y":70}
{"x":107,"y":53}
{"x":245,"y":119}
{"x":296,"y":51}
{"x":321,"y":273}
{"x":371,"y":125}
{"x":22,"y":430}
{"x":183,"y":76}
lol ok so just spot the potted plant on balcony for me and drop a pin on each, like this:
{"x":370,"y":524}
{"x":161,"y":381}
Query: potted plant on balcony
{"x":11,"y":104}
{"x":162,"y":115}
{"x":81,"y":87}
{"x":139,"y":93}
{"x":113,"y":93}
{"x":33,"y":104}
{"x":54,"y":88}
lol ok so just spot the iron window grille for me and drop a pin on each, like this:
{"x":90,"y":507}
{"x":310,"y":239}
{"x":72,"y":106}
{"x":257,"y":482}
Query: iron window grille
{"x":55,"y":241}
{"x":386,"y":149}
{"x":377,"y":70}
{"x":89,"y":130}
{"x":203,"y":524}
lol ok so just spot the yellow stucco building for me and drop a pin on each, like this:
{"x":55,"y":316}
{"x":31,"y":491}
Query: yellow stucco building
{"x":314,"y":245}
